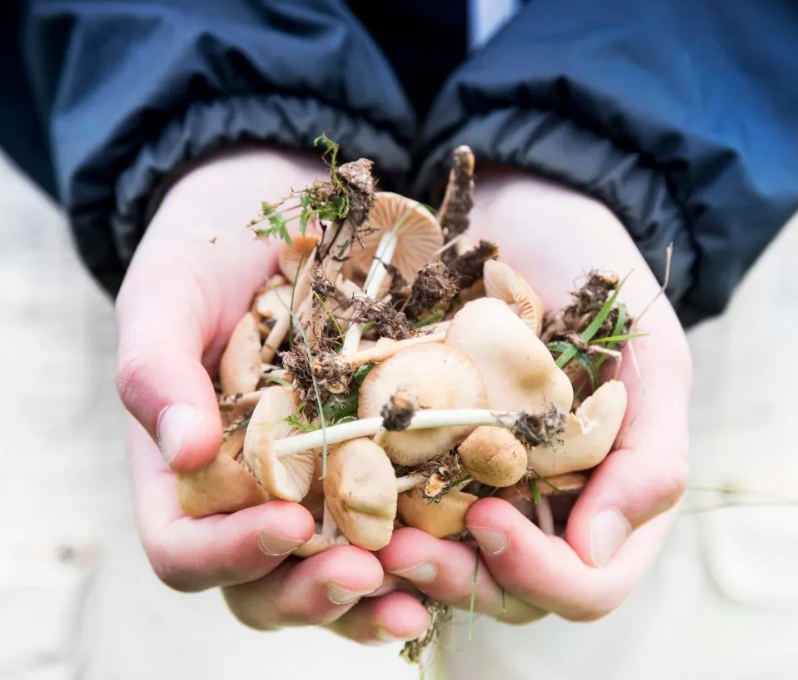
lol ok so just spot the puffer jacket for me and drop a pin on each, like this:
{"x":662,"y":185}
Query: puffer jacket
{"x":680,"y":115}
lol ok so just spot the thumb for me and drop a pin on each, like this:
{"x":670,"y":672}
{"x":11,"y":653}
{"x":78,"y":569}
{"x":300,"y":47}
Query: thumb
{"x":160,"y":376}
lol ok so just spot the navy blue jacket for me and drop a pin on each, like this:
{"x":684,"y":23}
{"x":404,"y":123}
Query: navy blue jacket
{"x":680,"y":115}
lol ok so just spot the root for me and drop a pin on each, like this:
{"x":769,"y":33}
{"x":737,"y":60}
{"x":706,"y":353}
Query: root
{"x":440,"y":615}
{"x":388,"y":322}
{"x":459,"y":197}
{"x":398,"y":412}
{"x":432,"y":291}
{"x":468,"y":268}
{"x":541,"y":429}
{"x":443,"y":474}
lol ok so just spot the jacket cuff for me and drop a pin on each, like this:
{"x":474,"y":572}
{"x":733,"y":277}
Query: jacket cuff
{"x":557,"y":148}
{"x":287,"y":122}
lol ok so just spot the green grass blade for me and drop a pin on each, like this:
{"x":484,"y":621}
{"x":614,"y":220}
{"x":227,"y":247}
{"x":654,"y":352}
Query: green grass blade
{"x":533,"y":487}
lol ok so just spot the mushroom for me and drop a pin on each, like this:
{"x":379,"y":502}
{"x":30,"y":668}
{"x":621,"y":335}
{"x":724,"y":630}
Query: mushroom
{"x":274,"y":302}
{"x":438,"y":377}
{"x":589,"y":434}
{"x":398,"y":231}
{"x":493,"y":456}
{"x":442,"y":518}
{"x":286,"y":477}
{"x":504,"y":283}
{"x":360,"y":493}
{"x":292,"y":257}
{"x":319,"y":544}
{"x":239,"y":369}
{"x":222,"y":486}
{"x":518,"y":370}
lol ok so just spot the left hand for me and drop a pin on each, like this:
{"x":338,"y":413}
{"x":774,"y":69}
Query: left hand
{"x":553,"y":236}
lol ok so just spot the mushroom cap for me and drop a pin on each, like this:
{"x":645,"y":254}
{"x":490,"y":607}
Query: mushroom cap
{"x":440,"y":518}
{"x":318,"y":544}
{"x":222,"y":486}
{"x":419,"y":235}
{"x":517,"y":368}
{"x":275,"y":302}
{"x":360,"y":492}
{"x":493,"y":456}
{"x":298,"y":253}
{"x":239,"y":369}
{"x":439,"y":377}
{"x":287,"y":478}
{"x":504,"y":283}
{"x":589,"y":434}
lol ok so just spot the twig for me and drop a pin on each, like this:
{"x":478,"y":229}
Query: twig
{"x":668,"y":259}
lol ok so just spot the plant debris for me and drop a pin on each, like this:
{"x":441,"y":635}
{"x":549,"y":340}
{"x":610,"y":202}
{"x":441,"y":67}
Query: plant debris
{"x":398,"y":412}
{"x":469,"y":267}
{"x":388,"y":321}
{"x":459,"y":197}
{"x":440,"y":615}
{"x":432,"y":291}
{"x":541,"y":429}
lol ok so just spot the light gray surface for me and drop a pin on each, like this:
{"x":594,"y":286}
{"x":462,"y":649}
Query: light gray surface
{"x":721,"y":601}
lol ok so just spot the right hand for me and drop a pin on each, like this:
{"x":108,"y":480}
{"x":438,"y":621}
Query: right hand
{"x":180,"y":300}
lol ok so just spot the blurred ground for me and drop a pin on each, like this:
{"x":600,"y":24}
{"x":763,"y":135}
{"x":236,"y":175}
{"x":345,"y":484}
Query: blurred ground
{"x":77,"y":598}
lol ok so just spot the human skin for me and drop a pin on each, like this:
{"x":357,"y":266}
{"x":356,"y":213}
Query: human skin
{"x":179,"y":302}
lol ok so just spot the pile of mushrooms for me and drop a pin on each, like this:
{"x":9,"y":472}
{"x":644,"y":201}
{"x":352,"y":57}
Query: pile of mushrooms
{"x":390,"y":375}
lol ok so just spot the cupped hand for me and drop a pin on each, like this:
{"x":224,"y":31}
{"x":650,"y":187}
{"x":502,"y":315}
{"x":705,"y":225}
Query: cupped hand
{"x":191,"y":280}
{"x":554,"y":236}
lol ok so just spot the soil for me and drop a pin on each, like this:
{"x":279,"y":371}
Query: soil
{"x":398,"y":412}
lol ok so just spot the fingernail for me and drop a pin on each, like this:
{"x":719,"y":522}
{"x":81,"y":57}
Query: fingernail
{"x":492,"y":542}
{"x":176,"y":424}
{"x":276,"y":546}
{"x":384,"y":636}
{"x":342,"y":596}
{"x":609,"y":529}
{"x":421,"y":573}
{"x":383,"y":590}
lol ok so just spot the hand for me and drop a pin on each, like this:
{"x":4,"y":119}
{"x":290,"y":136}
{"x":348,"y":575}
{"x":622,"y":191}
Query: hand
{"x":553,"y":237}
{"x":179,"y":303}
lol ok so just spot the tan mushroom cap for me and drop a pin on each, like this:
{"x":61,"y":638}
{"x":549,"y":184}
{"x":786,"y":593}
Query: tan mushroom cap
{"x":589,"y":434}
{"x":286,"y":478}
{"x":440,"y":519}
{"x":360,"y":492}
{"x":222,"y":486}
{"x":517,"y":368}
{"x":319,"y":544}
{"x":493,"y":456}
{"x":275,"y":302}
{"x":239,"y":369}
{"x":439,"y":377}
{"x":290,"y":258}
{"x":504,"y":283}
{"x":419,"y":235}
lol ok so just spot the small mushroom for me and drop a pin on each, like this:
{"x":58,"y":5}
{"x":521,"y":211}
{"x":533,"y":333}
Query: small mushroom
{"x":437,"y":377}
{"x":589,"y":434}
{"x":398,"y":231}
{"x":239,"y":369}
{"x":222,"y":486}
{"x":291,"y":258}
{"x":493,"y":456}
{"x":504,"y":283}
{"x":274,"y":302}
{"x":319,"y":544}
{"x":285,"y":477}
{"x":518,"y":370}
{"x":442,"y":518}
{"x":360,"y":493}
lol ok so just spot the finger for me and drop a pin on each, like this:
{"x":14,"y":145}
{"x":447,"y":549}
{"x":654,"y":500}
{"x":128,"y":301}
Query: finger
{"x":390,"y":618}
{"x":314,"y":591}
{"x":648,"y":474}
{"x":547,"y":573}
{"x":164,"y":325}
{"x":192,"y":555}
{"x":445,"y":570}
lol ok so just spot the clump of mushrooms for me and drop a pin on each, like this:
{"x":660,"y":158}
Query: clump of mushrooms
{"x":389,"y":376}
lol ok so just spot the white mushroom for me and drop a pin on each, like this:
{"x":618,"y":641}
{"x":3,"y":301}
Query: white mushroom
{"x":589,"y":434}
{"x":239,"y":369}
{"x":493,"y":456}
{"x":503,"y":282}
{"x":442,"y":518}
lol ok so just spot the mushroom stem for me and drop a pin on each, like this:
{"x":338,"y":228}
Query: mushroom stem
{"x":235,"y":401}
{"x":382,"y":257}
{"x":545,"y":516}
{"x":409,"y":482}
{"x":377,"y":354}
{"x":367,"y":427}
{"x":328,"y":527}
